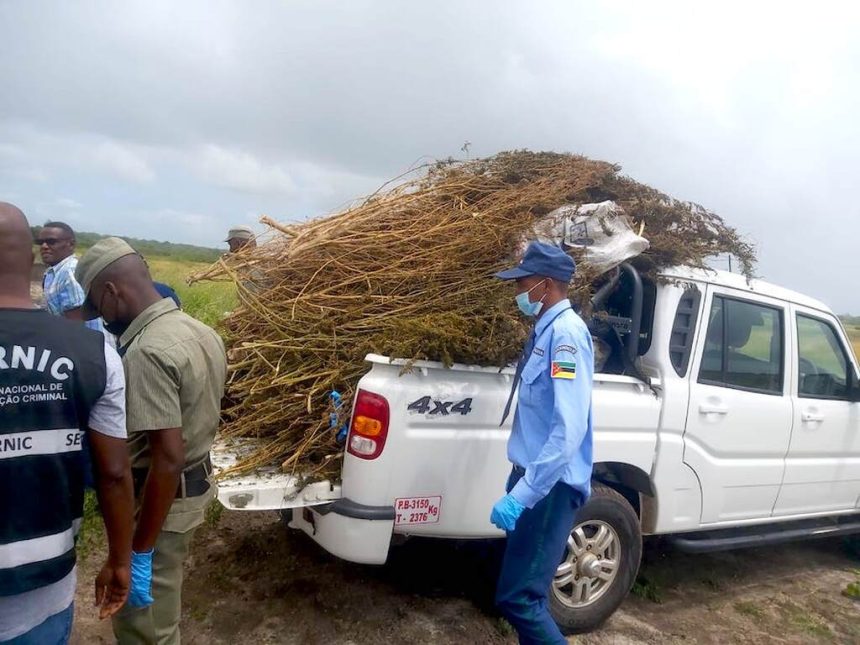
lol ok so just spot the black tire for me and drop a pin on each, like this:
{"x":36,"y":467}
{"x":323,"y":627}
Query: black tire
{"x":611,"y":508}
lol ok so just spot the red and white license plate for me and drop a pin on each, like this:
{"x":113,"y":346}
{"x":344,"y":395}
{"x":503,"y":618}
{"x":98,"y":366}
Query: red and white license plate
{"x":417,"y":510}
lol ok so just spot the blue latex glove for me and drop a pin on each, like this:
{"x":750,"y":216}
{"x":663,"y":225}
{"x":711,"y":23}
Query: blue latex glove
{"x":341,"y":434}
{"x":140,"y":594}
{"x":506,"y":512}
{"x":336,"y":401}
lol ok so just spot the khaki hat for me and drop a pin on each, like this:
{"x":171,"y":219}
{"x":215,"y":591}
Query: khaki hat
{"x":240,"y":233}
{"x":97,"y":259}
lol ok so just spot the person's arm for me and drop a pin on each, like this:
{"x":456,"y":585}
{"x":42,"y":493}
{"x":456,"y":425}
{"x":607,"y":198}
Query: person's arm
{"x":154,"y":408}
{"x":167,"y":459}
{"x":74,"y":314}
{"x":571,"y":402}
{"x":71,"y":297}
{"x":107,"y":443}
{"x":116,"y":500}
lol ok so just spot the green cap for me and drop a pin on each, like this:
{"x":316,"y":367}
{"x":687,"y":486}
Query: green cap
{"x":240,"y":233}
{"x":105,"y":252}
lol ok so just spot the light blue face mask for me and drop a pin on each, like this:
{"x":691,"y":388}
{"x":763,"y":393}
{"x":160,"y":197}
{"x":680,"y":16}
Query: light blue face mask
{"x":529,"y":308}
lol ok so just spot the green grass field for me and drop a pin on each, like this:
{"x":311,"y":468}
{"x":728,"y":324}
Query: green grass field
{"x":206,"y":301}
{"x":172,"y":264}
{"x":854,"y":334}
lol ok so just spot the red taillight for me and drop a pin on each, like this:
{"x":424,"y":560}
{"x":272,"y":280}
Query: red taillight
{"x":369,"y":426}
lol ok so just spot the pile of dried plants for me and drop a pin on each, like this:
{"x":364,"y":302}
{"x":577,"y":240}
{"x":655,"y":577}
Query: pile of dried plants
{"x":408,"y":273}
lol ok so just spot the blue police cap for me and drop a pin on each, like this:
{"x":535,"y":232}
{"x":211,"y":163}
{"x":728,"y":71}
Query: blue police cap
{"x":544,"y":260}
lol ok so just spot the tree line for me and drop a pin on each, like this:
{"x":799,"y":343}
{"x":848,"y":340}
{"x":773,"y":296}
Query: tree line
{"x":186,"y":252}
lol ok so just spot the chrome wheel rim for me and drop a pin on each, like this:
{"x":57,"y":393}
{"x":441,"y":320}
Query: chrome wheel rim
{"x":591,"y":563}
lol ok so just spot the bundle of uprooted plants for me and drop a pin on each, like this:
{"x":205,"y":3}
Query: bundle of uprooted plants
{"x":408,"y":273}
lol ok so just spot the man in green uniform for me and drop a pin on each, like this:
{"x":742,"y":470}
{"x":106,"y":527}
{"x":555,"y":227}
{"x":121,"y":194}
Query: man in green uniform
{"x":175,"y":373}
{"x":239,"y":237}
{"x":252,"y":280}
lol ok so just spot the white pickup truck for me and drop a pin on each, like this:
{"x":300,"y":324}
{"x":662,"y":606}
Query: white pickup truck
{"x":725,"y":415}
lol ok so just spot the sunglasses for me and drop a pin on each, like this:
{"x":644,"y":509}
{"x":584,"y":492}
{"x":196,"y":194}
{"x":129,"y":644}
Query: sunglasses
{"x":50,"y":241}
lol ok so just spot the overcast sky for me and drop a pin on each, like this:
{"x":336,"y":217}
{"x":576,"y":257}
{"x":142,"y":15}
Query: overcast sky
{"x":174,"y":120}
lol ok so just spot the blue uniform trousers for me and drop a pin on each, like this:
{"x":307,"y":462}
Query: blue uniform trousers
{"x":532,"y":555}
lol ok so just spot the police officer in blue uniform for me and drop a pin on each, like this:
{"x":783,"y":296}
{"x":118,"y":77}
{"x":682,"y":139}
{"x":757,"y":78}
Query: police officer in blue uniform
{"x":550,"y":445}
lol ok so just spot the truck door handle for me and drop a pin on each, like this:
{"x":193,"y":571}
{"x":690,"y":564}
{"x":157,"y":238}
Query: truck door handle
{"x":713,"y":409}
{"x":809,"y":417}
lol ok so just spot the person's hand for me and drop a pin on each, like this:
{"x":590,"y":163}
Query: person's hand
{"x":506,"y":512}
{"x":112,"y":585}
{"x":141,"y":579}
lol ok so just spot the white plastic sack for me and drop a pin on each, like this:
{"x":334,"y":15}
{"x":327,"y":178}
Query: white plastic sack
{"x":601,"y":230}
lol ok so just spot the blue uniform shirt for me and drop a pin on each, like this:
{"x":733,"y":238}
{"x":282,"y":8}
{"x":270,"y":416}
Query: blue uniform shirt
{"x":552,"y":434}
{"x":166,"y":291}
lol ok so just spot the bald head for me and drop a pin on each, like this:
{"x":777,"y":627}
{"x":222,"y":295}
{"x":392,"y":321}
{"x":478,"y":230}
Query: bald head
{"x":16,"y":253}
{"x":16,"y":241}
{"x":13,"y":213}
{"x":122,"y":290}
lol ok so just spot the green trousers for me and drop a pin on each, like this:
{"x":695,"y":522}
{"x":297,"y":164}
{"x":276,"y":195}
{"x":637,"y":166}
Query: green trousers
{"x":158,"y":624}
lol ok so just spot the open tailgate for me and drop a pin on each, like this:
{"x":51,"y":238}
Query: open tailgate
{"x":266,"y":489}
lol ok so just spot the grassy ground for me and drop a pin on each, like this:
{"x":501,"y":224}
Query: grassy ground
{"x":207,"y":301}
{"x":854,"y":334}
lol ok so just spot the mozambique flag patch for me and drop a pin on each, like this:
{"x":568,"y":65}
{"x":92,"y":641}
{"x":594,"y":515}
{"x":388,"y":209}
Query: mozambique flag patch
{"x":563,"y":369}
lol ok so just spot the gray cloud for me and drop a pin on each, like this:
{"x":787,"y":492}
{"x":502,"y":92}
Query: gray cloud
{"x":147,"y":113}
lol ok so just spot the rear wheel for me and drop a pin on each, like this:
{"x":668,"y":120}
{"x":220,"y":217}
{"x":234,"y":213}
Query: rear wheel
{"x":600,"y":563}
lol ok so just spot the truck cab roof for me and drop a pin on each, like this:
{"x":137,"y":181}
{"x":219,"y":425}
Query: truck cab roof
{"x":741,"y":283}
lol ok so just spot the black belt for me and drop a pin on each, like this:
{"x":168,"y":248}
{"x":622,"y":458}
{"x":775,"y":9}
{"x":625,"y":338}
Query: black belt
{"x":193,"y":482}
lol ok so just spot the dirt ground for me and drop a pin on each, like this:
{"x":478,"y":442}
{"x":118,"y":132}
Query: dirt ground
{"x":250,"y":580}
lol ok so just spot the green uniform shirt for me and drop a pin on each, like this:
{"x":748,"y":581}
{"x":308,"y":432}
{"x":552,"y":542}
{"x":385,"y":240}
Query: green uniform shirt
{"x":175,"y":370}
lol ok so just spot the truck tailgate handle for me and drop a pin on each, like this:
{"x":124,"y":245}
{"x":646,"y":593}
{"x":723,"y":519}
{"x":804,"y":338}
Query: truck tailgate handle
{"x":712,"y":409}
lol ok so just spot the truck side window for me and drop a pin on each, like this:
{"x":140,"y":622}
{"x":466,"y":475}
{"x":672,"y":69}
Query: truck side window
{"x":822,"y":365}
{"x":744,"y":346}
{"x":681,"y":341}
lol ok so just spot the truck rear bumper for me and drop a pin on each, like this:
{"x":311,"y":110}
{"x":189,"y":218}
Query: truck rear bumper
{"x":349,"y":530}
{"x":348,"y":508}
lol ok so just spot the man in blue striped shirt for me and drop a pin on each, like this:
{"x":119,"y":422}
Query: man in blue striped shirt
{"x":63,"y":294}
